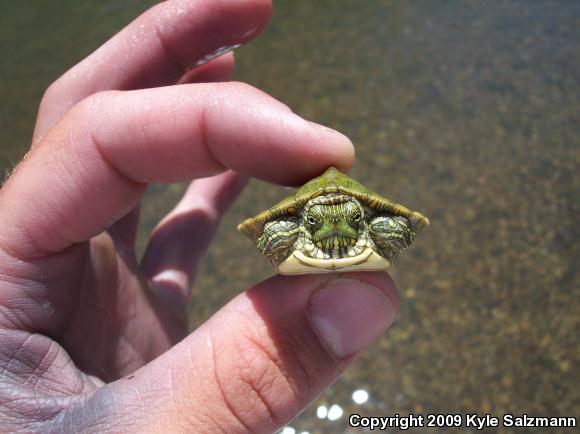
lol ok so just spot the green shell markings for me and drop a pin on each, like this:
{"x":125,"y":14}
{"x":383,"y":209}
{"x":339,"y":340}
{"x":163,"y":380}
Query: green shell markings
{"x":333,"y":224}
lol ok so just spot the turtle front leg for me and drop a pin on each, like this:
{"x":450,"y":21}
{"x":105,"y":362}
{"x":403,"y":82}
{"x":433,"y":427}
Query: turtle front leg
{"x":391,"y":235}
{"x":278,"y":238}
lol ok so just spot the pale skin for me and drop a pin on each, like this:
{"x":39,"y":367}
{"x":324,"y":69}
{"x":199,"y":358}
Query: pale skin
{"x":93,"y":340}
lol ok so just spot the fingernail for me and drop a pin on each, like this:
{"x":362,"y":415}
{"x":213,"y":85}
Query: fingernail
{"x":348,"y":315}
{"x":214,"y":54}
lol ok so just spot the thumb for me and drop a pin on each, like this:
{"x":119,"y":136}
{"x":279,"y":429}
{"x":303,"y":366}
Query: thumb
{"x":259,"y":361}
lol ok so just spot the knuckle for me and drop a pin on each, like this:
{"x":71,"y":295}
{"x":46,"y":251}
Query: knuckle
{"x":260,"y":380}
{"x":281,"y":362}
{"x":252,"y":389}
{"x":94,"y":102}
{"x":53,"y":91}
{"x":263,"y":374}
{"x":89,"y":114}
{"x":239,"y":87}
{"x":82,"y":110}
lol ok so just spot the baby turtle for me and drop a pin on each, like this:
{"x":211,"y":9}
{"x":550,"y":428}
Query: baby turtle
{"x":333,"y":224}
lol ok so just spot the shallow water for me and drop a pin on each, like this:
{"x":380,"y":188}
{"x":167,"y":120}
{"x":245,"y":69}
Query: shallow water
{"x":465,"y":111}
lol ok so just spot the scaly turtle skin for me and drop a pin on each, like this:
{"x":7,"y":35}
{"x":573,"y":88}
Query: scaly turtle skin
{"x":333,"y":223}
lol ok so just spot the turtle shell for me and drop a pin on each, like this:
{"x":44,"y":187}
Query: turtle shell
{"x":331,"y":181}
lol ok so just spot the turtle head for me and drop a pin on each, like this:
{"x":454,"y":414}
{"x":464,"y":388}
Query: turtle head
{"x":333,"y":226}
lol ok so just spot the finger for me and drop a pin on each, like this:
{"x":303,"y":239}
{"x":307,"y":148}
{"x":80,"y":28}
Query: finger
{"x":156,"y":49}
{"x":261,"y":359}
{"x":182,"y":237}
{"x":124,"y":232}
{"x":94,"y":165}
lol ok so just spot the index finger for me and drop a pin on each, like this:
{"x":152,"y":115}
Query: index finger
{"x":155,"y":50}
{"x":94,"y":165}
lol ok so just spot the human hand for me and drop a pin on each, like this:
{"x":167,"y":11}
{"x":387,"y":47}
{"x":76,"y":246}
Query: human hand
{"x":90,"y":340}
